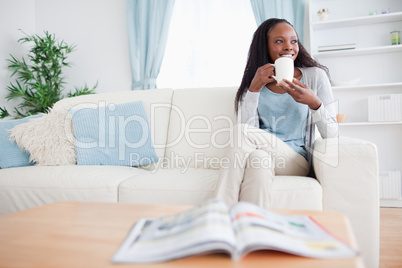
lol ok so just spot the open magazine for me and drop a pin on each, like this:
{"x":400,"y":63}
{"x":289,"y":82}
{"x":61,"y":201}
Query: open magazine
{"x":211,"y":227}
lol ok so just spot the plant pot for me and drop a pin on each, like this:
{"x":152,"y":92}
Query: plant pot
{"x":323,"y":16}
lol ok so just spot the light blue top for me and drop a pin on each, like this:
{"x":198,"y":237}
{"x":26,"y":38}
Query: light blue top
{"x":324,"y":118}
{"x":282,"y":116}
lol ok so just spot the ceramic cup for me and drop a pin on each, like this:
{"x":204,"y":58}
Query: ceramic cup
{"x":284,"y":69}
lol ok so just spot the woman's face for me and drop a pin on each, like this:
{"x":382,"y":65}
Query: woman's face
{"x":282,"y":42}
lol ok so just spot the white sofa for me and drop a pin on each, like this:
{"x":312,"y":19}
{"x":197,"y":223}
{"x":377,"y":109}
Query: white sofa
{"x":190,"y":129}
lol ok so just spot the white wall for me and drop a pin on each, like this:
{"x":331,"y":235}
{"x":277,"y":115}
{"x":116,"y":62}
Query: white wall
{"x":97,"y":27}
{"x":14,"y":15}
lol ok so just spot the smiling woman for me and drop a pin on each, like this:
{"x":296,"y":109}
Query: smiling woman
{"x":278,"y":120}
{"x":207,"y":43}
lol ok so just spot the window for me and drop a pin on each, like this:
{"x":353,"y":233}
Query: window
{"x":208,"y":43}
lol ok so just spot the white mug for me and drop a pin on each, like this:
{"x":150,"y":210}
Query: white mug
{"x":284,"y":69}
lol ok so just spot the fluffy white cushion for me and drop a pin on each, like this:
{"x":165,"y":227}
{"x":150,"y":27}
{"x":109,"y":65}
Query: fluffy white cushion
{"x":11,"y":155}
{"x":48,"y":139}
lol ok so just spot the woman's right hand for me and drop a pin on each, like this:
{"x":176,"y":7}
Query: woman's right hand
{"x":262,"y":76}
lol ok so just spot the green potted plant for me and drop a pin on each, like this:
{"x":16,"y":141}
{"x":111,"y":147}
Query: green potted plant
{"x":39,"y":82}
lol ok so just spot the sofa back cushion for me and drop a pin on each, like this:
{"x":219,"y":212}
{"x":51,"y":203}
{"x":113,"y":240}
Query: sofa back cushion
{"x":200,"y":127}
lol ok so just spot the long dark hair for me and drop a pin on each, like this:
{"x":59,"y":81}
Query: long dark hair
{"x":258,"y":56}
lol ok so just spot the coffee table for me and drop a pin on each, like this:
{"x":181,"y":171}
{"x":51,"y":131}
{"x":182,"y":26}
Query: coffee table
{"x":87,"y":234}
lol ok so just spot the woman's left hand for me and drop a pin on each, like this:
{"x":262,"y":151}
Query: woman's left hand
{"x":301,"y":93}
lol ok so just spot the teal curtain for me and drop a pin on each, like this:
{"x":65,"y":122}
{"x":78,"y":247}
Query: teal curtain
{"x":291,"y":10}
{"x":148,"y":26}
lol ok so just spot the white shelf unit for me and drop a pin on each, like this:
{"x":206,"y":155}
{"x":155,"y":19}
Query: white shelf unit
{"x":374,"y":62}
{"x":359,"y":51}
{"x":391,"y":203}
{"x":397,"y":85}
{"x":369,"y":124}
{"x":355,"y":21}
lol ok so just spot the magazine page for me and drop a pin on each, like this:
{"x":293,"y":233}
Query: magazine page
{"x":200,"y":230}
{"x":257,"y":228}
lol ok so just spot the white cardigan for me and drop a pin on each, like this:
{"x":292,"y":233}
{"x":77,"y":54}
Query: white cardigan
{"x":324,"y":117}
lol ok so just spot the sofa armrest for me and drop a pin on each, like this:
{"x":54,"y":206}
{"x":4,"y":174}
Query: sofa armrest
{"x":348,"y":172}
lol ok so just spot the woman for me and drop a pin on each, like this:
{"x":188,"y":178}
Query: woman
{"x":277,"y":121}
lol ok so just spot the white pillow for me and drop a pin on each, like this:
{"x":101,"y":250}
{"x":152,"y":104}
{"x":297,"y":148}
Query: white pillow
{"x":49,"y":139}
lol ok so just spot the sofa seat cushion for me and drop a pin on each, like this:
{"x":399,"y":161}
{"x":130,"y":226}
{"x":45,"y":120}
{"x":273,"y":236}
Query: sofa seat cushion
{"x":294,"y":192}
{"x":193,"y":186}
{"x":32,"y":186}
{"x":170,"y":186}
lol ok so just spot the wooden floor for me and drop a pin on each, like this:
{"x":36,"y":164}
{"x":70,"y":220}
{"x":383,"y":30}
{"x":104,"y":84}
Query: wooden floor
{"x":390,"y":237}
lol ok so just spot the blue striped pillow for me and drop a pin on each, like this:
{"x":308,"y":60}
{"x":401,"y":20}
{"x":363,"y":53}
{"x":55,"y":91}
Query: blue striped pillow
{"x":116,"y":135}
{"x":11,"y":155}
